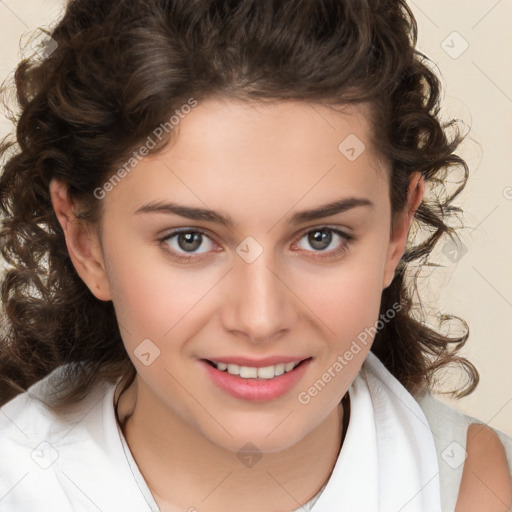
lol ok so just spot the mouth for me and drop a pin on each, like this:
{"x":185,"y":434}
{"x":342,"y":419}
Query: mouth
{"x":256,"y":384}
{"x":253,"y":372}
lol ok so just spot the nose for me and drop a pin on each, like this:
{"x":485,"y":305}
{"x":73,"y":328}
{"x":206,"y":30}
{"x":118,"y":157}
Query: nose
{"x":260,"y":304}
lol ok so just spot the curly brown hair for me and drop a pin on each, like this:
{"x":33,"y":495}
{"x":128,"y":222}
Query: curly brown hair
{"x":119,"y":69}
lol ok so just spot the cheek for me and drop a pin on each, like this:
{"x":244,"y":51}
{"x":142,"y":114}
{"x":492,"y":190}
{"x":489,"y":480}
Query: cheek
{"x":154,"y":299}
{"x":348,"y":309}
{"x":348,"y":297}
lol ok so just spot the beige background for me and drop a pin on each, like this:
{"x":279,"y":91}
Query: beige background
{"x":476,"y":282}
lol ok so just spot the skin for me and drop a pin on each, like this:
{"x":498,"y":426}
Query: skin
{"x":259,"y":164}
{"x":485,"y":483}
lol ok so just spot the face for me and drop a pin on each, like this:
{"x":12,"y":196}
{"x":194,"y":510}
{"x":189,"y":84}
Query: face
{"x":272,"y":274}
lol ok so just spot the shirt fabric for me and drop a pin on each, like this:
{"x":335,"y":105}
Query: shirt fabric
{"x":398,"y":453}
{"x":449,"y":428}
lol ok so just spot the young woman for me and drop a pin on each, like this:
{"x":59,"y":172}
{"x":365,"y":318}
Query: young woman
{"x":209,"y":216}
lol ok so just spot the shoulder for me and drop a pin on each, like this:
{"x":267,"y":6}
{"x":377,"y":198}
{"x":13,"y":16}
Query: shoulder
{"x":26,"y":421}
{"x":486,"y":481}
{"x":26,"y":443}
{"x":40,"y":449}
{"x":26,"y":415}
{"x":475,"y":460}
{"x":29,"y":412}
{"x":75,"y":457}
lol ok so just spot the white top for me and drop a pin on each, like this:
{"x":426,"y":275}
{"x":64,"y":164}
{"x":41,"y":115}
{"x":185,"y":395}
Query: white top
{"x":449,"y":428}
{"x":388,"y":461}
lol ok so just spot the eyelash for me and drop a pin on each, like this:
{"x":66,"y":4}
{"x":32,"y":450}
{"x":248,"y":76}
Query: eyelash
{"x":347,"y":241}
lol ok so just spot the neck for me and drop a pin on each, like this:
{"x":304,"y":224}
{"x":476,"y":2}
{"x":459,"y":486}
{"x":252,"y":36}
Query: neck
{"x":182,"y":467}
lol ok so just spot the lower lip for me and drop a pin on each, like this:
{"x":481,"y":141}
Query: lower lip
{"x":256,"y":390}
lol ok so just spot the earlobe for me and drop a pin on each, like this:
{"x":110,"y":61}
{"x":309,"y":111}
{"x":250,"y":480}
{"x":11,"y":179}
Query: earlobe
{"x":82,"y":242}
{"x":402,"y":226}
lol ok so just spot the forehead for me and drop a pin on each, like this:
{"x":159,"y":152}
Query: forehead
{"x":277,"y":131}
{"x":248,"y":155}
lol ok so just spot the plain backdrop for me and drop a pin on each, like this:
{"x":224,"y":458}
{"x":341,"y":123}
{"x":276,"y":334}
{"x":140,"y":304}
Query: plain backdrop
{"x":470,"y":44}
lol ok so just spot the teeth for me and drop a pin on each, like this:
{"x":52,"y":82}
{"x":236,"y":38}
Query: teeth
{"x":250,"y":372}
{"x":289,"y":366}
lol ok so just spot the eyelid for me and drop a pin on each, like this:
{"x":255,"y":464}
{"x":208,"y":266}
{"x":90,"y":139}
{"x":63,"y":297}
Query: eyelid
{"x":334,"y":228}
{"x":186,"y":229}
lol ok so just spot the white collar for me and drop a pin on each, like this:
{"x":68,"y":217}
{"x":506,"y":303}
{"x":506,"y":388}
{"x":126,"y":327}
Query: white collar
{"x":388,"y":462}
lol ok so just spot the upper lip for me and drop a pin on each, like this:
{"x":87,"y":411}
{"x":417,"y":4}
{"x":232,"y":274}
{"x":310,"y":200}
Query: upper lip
{"x":257,"y":363}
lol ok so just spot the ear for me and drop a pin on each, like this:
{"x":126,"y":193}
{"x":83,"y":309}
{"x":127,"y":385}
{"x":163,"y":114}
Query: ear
{"x":400,"y":230}
{"x":82,"y":241}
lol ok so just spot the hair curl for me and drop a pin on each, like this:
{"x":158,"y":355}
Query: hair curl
{"x":119,"y":70}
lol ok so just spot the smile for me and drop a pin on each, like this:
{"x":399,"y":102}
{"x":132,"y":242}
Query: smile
{"x":251,"y":372}
{"x":247,"y":383}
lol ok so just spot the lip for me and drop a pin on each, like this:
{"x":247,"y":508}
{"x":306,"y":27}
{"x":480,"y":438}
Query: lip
{"x":256,"y":363}
{"x":255,"y":390}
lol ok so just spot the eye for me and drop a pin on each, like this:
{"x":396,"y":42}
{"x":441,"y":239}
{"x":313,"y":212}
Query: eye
{"x":184,"y":244}
{"x":320,"y":239}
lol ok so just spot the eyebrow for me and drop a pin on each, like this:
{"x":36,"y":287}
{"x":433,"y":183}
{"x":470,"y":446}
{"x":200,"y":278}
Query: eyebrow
{"x":205,"y":214}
